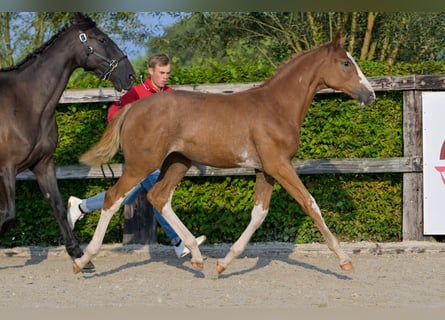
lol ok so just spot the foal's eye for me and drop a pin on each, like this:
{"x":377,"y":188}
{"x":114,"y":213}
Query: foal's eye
{"x":102,"y":40}
{"x":346,"y":63}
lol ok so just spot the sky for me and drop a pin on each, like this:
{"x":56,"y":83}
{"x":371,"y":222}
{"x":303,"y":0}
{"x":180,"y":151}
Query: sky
{"x":152,"y":23}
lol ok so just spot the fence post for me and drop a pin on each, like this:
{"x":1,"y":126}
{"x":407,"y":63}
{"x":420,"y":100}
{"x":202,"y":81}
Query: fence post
{"x":140,"y":224}
{"x":412,"y":220}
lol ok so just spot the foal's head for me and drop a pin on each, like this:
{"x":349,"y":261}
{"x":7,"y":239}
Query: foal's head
{"x":101,"y":55}
{"x":342,"y":73}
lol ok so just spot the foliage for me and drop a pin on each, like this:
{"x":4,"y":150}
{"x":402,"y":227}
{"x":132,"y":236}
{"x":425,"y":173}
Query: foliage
{"x":372,"y":68}
{"x":216,"y":73}
{"x":35,"y":224}
{"x":271,"y":37}
{"x":23,"y":32}
{"x":338,"y":128}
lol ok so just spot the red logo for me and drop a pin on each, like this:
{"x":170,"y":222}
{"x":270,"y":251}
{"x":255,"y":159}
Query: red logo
{"x":441,"y":169}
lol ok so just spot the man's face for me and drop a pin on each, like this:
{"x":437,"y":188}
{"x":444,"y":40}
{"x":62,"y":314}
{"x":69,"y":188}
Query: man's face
{"x":160,"y":75}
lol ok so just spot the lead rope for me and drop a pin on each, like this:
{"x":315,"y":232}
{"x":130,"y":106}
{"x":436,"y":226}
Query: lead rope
{"x":117,"y":96}
{"x":109,"y":168}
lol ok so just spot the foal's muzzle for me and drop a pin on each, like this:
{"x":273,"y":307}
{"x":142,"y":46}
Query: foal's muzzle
{"x":365,"y":97}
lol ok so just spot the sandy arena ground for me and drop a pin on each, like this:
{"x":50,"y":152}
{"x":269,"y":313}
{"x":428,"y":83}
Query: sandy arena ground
{"x":268,"y":276}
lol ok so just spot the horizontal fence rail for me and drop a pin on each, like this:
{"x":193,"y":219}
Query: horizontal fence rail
{"x":312,"y":166}
{"x":399,"y":83}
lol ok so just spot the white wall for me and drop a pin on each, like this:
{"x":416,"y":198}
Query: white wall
{"x":434,"y":162}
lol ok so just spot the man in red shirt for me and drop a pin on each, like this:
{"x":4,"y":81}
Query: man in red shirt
{"x":159,"y":69}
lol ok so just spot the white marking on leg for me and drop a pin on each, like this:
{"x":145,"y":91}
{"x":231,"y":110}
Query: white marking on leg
{"x":256,"y":219}
{"x":186,"y":236}
{"x":176,"y":223}
{"x":259,"y":214}
{"x":315,"y":207}
{"x":331,"y":240}
{"x":94,"y":246}
{"x":101,"y":229}
{"x":167,"y":210}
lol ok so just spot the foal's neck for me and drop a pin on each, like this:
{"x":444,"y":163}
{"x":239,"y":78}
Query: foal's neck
{"x":296,"y":83}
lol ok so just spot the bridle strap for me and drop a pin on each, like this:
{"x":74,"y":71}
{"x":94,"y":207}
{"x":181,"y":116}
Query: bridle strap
{"x":112,"y":63}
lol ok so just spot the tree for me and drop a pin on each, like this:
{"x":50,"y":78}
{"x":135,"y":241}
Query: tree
{"x":6,"y":49}
{"x":23,"y":32}
{"x":273,"y":36}
{"x":365,"y":50}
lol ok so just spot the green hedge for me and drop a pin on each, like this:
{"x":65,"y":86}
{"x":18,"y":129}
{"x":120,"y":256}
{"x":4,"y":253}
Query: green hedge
{"x":355,"y":206}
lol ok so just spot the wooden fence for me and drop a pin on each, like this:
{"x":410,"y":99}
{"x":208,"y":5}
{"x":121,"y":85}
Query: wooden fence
{"x":139,"y":226}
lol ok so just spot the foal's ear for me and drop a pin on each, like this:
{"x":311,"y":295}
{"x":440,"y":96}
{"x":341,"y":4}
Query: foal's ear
{"x":339,"y":41}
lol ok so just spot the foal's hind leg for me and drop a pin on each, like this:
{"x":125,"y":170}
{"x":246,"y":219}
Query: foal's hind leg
{"x":94,"y":246}
{"x":113,"y":199}
{"x":287,"y":177}
{"x":160,"y":195}
{"x":263,"y":192}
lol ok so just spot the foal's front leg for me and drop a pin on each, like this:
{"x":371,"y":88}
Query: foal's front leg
{"x":288,"y":178}
{"x":263,"y":192}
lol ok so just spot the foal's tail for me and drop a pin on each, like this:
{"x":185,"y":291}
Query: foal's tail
{"x":108,"y":145}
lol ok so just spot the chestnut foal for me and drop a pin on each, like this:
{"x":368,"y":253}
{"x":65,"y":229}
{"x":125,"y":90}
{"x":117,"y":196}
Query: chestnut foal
{"x":258,"y":128}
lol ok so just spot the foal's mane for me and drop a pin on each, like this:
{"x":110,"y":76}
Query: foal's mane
{"x":85,"y":24}
{"x":292,"y":58}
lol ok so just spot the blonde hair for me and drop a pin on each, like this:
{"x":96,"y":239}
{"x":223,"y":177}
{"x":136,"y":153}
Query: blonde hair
{"x":160,"y":59}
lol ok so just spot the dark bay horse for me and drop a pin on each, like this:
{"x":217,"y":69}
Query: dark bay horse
{"x":29,"y":94}
{"x":258,"y":128}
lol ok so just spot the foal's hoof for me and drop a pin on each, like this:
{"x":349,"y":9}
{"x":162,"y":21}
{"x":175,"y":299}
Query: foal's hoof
{"x":198,"y":265}
{"x":219,"y":267}
{"x":346,"y":266}
{"x":76,"y":268}
{"x":89,"y":267}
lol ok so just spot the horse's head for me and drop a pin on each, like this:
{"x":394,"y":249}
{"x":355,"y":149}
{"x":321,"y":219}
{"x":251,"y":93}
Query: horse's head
{"x":342,"y":73}
{"x":102,"y":56}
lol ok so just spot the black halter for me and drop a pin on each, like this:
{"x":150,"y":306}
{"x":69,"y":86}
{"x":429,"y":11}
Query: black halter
{"x":112,"y":64}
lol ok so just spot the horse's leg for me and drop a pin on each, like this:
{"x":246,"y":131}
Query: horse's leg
{"x":45,"y":174}
{"x":160,"y":195}
{"x":287,"y":177}
{"x":263,"y":192}
{"x":7,"y":196}
{"x":113,"y":199}
{"x":94,"y":246}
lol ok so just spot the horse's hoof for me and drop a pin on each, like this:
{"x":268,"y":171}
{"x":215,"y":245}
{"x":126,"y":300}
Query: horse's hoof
{"x":346,"y":266}
{"x":198,"y":265}
{"x":220,"y":268}
{"x":76,"y":268}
